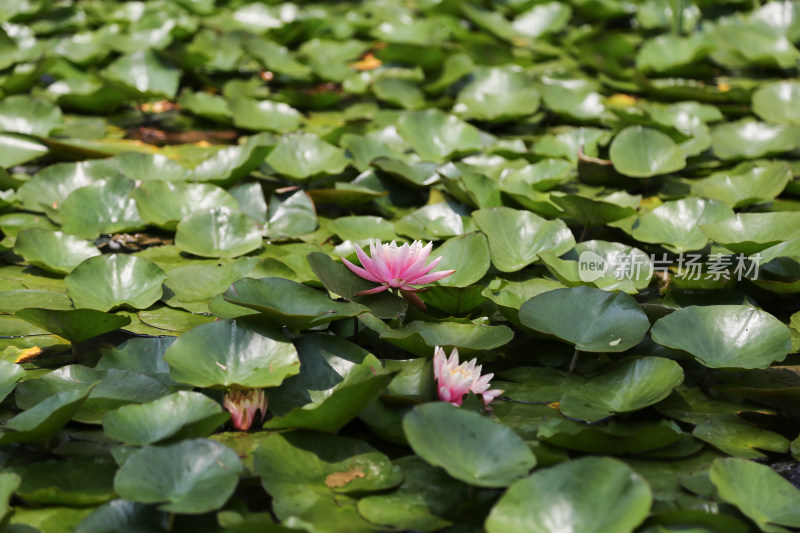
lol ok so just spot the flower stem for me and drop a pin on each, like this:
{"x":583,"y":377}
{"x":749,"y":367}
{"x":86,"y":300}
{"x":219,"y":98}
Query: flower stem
{"x":574,"y":362}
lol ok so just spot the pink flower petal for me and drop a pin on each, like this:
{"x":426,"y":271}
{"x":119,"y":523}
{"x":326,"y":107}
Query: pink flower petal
{"x":380,"y":262}
{"x":430,"y":278}
{"x":373,"y":290}
{"x":360,"y":271}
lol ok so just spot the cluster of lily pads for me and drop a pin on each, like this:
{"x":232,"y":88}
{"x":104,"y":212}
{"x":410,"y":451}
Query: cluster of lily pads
{"x":181,"y":180}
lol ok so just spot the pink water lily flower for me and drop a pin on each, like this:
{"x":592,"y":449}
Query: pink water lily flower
{"x":454,"y":380}
{"x":397,"y":267}
{"x":243,"y":406}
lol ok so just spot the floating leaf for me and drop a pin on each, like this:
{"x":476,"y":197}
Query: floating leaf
{"x":264,"y":115}
{"x":182,"y":414}
{"x":759,"y":492}
{"x":53,"y":250}
{"x":164,"y":204}
{"x":108,"y":389}
{"x":192,"y":476}
{"x":108,"y":281}
{"x":778,"y":102}
{"x":642,"y":152}
{"x":592,"y":319}
{"x":230,"y":353}
{"x":629,"y":386}
{"x":468,"y":255}
{"x":75,"y":325}
{"x":435,"y":135}
{"x":676,"y":225}
{"x":303,"y":155}
{"x":516,"y":237}
{"x":337,"y":381}
{"x":218,"y":232}
{"x":146,"y":74}
{"x":735,"y":336}
{"x":33,"y":116}
{"x":749,"y":139}
{"x":469,"y":447}
{"x":102,"y":207}
{"x":289,"y":303}
{"x":310,"y":477}
{"x":748,"y":183}
{"x":749,"y":233}
{"x":42,"y":420}
{"x":75,"y":481}
{"x":587,"y":494}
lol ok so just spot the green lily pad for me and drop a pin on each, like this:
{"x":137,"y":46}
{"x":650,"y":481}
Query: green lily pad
{"x":12,"y":373}
{"x":43,"y":419}
{"x":108,"y":389}
{"x":234,"y":163}
{"x":759,"y":492}
{"x":230,"y":353}
{"x":418,"y":504}
{"x":183,"y":414}
{"x":750,"y":139}
{"x":53,"y":250}
{"x":288,"y":303}
{"x":614,"y":438}
{"x":75,"y":325}
{"x":468,"y":255}
{"x":592,"y":319}
{"x":218,"y":232}
{"x":435,"y":135}
{"x":629,"y":386}
{"x":749,"y":233}
{"x":590,"y":210}
{"x":740,"y":439}
{"x":192,"y":286}
{"x":587,"y":494}
{"x":725,"y":336}
{"x":8,"y":485}
{"x":139,"y":166}
{"x":777,"y":102}
{"x":303,"y":155}
{"x":144,"y":355}
{"x":29,"y":115}
{"x":310,"y":477}
{"x":145,"y":74}
{"x":118,"y":515}
{"x":517,"y":237}
{"x":13,"y":301}
{"x":75,"y":481}
{"x":48,"y":188}
{"x":193,"y":476}
{"x":421,"y":338}
{"x":290,"y":215}
{"x":433,"y":222}
{"x":163,"y":204}
{"x":497,"y":94}
{"x":337,"y":380}
{"x":747,"y":184}
{"x":264,"y":115}
{"x":102,"y":207}
{"x":641,"y":152}
{"x":109,"y":281}
{"x":676,"y":225}
{"x":471,"y":448}
{"x":16,"y":149}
